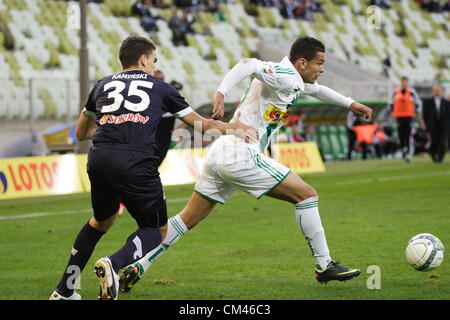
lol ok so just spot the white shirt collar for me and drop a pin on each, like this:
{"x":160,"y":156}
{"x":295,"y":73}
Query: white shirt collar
{"x":285,"y":61}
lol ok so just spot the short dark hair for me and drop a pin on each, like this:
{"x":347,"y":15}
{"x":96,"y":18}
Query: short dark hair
{"x":404,"y":78}
{"x":132,"y":48}
{"x":305,"y":47}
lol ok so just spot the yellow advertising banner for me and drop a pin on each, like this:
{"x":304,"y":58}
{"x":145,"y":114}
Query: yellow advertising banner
{"x":64,"y":174}
{"x":81,"y":163}
{"x":182,"y":166}
{"x":302,"y":157}
{"x":39,"y":176}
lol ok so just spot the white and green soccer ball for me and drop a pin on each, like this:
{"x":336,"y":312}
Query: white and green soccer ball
{"x":424,"y":252}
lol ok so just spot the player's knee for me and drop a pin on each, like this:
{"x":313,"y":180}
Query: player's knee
{"x":163,"y":231}
{"x":103,"y":226}
{"x":305,"y":193}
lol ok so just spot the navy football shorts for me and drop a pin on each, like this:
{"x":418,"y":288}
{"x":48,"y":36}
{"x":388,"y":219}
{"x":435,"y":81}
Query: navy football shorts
{"x":130,"y":177}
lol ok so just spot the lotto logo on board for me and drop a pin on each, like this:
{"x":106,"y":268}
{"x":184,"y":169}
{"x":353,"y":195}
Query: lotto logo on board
{"x":38,"y":176}
{"x":33,"y":175}
{"x":3,"y":183}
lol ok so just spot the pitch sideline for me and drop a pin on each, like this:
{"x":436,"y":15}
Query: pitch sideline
{"x":378,"y":179}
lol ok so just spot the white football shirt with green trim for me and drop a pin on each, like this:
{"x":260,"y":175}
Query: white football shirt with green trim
{"x":268,"y":100}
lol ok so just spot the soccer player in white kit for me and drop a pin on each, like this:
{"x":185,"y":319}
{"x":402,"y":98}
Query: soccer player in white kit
{"x":232,"y":163}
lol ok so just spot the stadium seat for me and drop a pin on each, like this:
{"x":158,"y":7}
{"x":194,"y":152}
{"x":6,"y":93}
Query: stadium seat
{"x":324,"y":142}
{"x":336,"y":145}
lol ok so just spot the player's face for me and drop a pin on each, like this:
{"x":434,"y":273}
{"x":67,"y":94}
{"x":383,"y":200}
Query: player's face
{"x":149,"y":63}
{"x":312,"y":69}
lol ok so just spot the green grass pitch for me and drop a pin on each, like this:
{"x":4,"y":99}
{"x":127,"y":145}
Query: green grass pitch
{"x":248,"y":248}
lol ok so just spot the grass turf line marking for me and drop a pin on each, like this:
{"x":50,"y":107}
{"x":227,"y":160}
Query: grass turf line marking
{"x":46,"y":214}
{"x":380,"y":179}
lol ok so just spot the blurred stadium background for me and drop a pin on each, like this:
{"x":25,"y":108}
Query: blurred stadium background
{"x":40,"y":43}
{"x":40,"y":100}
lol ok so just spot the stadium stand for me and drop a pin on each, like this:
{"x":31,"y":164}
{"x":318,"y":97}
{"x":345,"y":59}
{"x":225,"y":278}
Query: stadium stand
{"x":39,"y":42}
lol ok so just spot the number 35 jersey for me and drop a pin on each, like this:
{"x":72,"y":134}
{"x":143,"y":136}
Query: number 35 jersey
{"x":128,"y":106}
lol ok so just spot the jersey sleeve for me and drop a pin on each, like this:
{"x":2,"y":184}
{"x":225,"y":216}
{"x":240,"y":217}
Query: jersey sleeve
{"x":326,"y":94}
{"x":270,"y":73}
{"x":90,"y":107}
{"x":175,"y":103}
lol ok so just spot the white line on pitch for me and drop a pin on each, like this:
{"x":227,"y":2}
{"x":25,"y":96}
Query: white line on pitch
{"x":378,"y":179}
{"x":46,"y":214}
{"x":370,"y":180}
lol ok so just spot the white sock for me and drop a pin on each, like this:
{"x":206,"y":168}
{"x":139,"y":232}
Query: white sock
{"x":308,"y":219}
{"x":175,"y":230}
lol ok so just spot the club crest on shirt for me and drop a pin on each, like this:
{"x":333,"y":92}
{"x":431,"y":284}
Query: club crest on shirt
{"x":275,"y":115}
{"x":267,"y":68}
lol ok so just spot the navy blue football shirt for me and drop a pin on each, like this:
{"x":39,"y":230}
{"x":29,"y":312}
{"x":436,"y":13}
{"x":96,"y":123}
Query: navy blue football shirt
{"x":128,"y":107}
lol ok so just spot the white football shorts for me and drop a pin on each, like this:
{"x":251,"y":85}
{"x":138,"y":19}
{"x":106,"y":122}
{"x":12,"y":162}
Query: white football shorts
{"x":229,"y":166}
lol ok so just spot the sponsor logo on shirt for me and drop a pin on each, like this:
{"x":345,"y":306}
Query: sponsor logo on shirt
{"x":276,"y":115}
{"x":122,"y":118}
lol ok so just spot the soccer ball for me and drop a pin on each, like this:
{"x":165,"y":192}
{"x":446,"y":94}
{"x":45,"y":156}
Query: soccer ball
{"x":424,"y":252}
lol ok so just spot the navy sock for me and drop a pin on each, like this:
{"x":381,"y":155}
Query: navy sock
{"x":137,"y":245}
{"x":82,"y":250}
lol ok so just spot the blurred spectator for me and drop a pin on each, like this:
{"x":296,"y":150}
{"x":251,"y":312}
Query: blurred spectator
{"x":303,"y":10}
{"x":384,"y":4}
{"x":212,"y":6}
{"x":308,"y":132}
{"x":406,"y":104}
{"x":295,"y":122}
{"x":180,"y":25}
{"x":287,"y":9}
{"x":422,"y":141}
{"x":384,"y":142}
{"x":144,"y":10}
{"x":263,"y":3}
{"x":365,"y":134}
{"x":184,"y":3}
{"x":160,"y":4}
{"x":386,"y":66}
{"x":436,"y":116}
{"x":316,"y":7}
{"x":431,"y":6}
{"x":352,"y":121}
{"x":446,"y":7}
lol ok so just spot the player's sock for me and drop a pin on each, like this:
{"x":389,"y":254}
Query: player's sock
{"x":308,"y":219}
{"x":137,"y":245}
{"x":175,"y":230}
{"x":81,"y":252}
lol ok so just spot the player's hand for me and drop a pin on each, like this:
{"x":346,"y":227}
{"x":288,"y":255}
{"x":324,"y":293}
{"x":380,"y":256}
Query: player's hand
{"x":243,"y":131}
{"x":361,"y":110}
{"x":218,"y":106}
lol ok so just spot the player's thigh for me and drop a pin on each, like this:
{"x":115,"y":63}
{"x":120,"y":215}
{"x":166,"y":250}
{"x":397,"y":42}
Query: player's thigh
{"x":293,"y":189}
{"x":197,"y":209}
{"x":105,"y":199}
{"x":146,"y":203}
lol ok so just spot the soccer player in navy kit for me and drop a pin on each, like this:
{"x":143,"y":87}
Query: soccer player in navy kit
{"x":121,"y":116}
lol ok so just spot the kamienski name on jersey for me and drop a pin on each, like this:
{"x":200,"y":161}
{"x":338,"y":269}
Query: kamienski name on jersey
{"x":130,"y":76}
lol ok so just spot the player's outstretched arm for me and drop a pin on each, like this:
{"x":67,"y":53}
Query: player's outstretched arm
{"x":86,"y":127}
{"x":326,"y":94}
{"x":361,"y":110}
{"x":240,"y":71}
{"x":237,"y":128}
